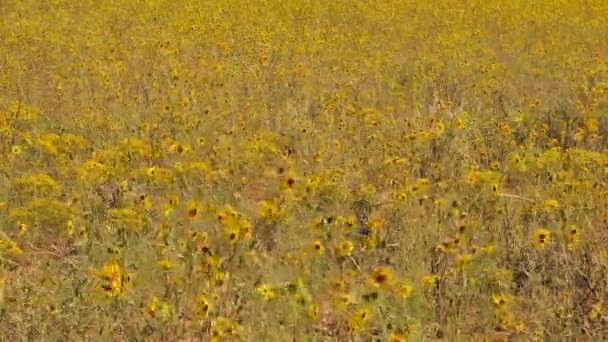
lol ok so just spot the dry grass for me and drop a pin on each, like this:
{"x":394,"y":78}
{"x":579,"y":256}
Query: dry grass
{"x":306,"y":171}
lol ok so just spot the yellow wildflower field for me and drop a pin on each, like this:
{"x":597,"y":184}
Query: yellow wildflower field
{"x":270,"y":170}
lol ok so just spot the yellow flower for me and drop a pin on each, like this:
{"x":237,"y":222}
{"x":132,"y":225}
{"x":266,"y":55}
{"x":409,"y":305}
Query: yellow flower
{"x":219,"y":278}
{"x":194,"y":209}
{"x":16,"y":150}
{"x":517,"y":162}
{"x":232,"y":234}
{"x":13,"y":248}
{"x":288,"y":183}
{"x":404,"y":290}
{"x":446,"y":247}
{"x":204,"y":307}
{"x":52,"y":309}
{"x":153,"y":306}
{"x":494,"y":187}
{"x":245,"y":229}
{"x":165,"y":264}
{"x":381,"y":276}
{"x":572,"y":236}
{"x":82,"y":232}
{"x":345,"y":248}
{"x":488,"y":248}
{"x":268,"y":210}
{"x":22,"y":229}
{"x":438,"y":128}
{"x":115,"y":252}
{"x":500,"y":300}
{"x":313,"y":311}
{"x":344,"y":300}
{"x":69,"y":227}
{"x":266,"y":291}
{"x":420,"y":187}
{"x":400,"y":196}
{"x":318,"y":248}
{"x":595,"y":312}
{"x":316,"y":224}
{"x":396,"y":338}
{"x":123,"y":186}
{"x":178,"y":148}
{"x":114,"y":279}
{"x":145,"y":202}
{"x":165,"y":311}
{"x":223,"y":327}
{"x":358,"y":319}
{"x":551,"y":204}
{"x":430,"y":280}
{"x":172,"y":201}
{"x":542,"y":237}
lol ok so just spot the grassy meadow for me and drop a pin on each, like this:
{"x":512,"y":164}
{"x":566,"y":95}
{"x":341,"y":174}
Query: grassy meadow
{"x":270,"y":170}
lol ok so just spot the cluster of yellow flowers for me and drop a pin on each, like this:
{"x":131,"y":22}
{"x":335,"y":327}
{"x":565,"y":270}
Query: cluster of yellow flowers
{"x":330,"y":170}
